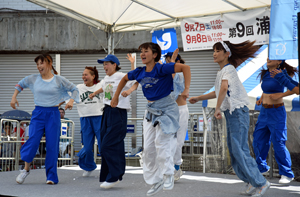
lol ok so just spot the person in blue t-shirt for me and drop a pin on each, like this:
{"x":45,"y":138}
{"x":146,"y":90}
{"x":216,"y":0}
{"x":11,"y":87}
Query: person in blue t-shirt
{"x":48,"y":91}
{"x":161,"y":116}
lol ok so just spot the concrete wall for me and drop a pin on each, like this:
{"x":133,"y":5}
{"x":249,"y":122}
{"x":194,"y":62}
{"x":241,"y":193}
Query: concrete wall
{"x":36,"y":31}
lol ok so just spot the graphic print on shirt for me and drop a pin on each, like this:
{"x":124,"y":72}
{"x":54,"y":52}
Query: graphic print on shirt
{"x":108,"y":91}
{"x":85,"y":97}
{"x":148,"y":82}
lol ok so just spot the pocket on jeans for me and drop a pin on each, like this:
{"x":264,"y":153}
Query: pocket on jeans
{"x":245,"y":109}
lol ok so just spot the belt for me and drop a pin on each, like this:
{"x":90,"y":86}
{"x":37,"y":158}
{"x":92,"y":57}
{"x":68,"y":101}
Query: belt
{"x":273,"y":106}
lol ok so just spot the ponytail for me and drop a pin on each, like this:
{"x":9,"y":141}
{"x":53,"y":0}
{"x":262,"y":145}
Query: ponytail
{"x":46,"y":57}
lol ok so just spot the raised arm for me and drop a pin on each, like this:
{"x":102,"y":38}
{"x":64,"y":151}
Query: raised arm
{"x":131,"y":59}
{"x":115,"y":100}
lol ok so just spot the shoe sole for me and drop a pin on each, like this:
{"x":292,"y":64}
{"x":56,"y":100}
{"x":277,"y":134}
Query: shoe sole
{"x":50,"y":183}
{"x":110,"y":186}
{"x":169,"y":188}
{"x":160,"y":188}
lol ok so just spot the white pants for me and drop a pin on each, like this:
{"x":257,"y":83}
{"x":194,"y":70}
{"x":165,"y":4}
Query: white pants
{"x":158,"y":153}
{"x":181,"y":133}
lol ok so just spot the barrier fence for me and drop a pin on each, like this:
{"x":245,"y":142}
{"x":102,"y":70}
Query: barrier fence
{"x":204,"y":150}
{"x":12,"y":140}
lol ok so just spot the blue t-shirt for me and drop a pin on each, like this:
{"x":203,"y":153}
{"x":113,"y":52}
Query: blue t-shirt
{"x":156,"y":84}
{"x":270,"y":85}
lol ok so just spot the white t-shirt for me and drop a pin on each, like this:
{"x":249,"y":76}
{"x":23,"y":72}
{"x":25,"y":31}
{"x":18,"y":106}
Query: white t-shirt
{"x":87,"y":107}
{"x":236,"y":96}
{"x":110,"y":86}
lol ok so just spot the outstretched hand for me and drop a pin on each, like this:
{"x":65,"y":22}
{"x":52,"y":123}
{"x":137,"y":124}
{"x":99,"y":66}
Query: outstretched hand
{"x":130,"y":57}
{"x":193,"y":100}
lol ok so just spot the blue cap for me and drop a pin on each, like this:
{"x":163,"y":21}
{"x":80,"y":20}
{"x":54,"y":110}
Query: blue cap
{"x":109,"y":58}
{"x":170,"y":54}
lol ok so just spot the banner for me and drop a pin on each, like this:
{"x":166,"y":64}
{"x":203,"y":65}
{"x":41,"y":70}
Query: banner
{"x":283,"y":29}
{"x":166,"y":39}
{"x":203,"y":33}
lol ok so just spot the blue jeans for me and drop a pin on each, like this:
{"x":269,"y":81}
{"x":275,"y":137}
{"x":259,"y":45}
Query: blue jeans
{"x":243,"y":164}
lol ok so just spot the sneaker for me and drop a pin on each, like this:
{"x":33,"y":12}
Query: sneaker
{"x":249,"y":190}
{"x":21,"y":177}
{"x":107,"y":185}
{"x":266,"y":172}
{"x":260,"y":191}
{"x":86,"y":173}
{"x":177,"y":174}
{"x":49,"y":182}
{"x":285,"y":180}
{"x":155,"y":188}
{"x":169,"y":182}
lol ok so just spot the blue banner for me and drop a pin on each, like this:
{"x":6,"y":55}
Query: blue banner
{"x":283,"y":30}
{"x":166,"y":39}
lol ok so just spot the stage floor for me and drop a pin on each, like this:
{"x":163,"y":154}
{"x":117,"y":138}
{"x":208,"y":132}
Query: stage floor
{"x":71,"y":183}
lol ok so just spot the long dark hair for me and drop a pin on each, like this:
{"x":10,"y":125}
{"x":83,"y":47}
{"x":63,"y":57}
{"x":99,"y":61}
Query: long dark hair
{"x":94,"y":71}
{"x":45,"y":57}
{"x":154,"y":47}
{"x":291,"y":71}
{"x":239,"y":52}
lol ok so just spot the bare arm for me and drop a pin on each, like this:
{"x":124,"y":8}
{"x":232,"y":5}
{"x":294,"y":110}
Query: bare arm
{"x":130,"y":90}
{"x":131,"y":59}
{"x":91,"y":96}
{"x":221,"y":97}
{"x":210,"y":95}
{"x":115,"y":100}
{"x":14,"y":99}
{"x":281,"y":95}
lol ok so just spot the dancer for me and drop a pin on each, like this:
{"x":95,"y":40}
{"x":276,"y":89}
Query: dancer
{"x":48,"y":91}
{"x":161,"y":115}
{"x":178,"y":85}
{"x":232,"y":99}
{"x":271,"y":122}
{"x":90,"y":113}
{"x":113,"y":125}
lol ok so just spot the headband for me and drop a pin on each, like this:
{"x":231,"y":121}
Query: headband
{"x":226,"y":47}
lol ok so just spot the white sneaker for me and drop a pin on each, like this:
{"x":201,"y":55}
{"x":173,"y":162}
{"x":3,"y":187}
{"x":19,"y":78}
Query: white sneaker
{"x":266,"y":172}
{"x":249,"y":190}
{"x":21,"y":177}
{"x":168,"y":182}
{"x":49,"y":182}
{"x":155,"y":188}
{"x":107,"y":185}
{"x":87,"y":173}
{"x":260,"y":191}
{"x":285,"y":180}
{"x":177,"y":174}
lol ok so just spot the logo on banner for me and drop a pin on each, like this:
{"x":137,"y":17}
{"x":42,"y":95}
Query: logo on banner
{"x":166,"y":39}
{"x":281,"y":49}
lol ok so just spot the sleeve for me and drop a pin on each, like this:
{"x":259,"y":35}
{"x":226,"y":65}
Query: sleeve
{"x":69,"y":87}
{"x":228,"y":73}
{"x":132,"y":75}
{"x":166,"y":69}
{"x":25,"y":83}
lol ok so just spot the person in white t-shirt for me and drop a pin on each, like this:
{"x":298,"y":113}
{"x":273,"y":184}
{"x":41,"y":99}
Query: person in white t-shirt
{"x":232,"y":99}
{"x":90,"y":113}
{"x":113,"y":125}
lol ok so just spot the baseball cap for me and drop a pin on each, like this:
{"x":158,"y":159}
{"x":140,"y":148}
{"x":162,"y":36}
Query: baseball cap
{"x":109,"y":58}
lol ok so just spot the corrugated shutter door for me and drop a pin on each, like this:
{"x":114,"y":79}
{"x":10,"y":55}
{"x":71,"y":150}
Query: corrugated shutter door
{"x":13,"y":68}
